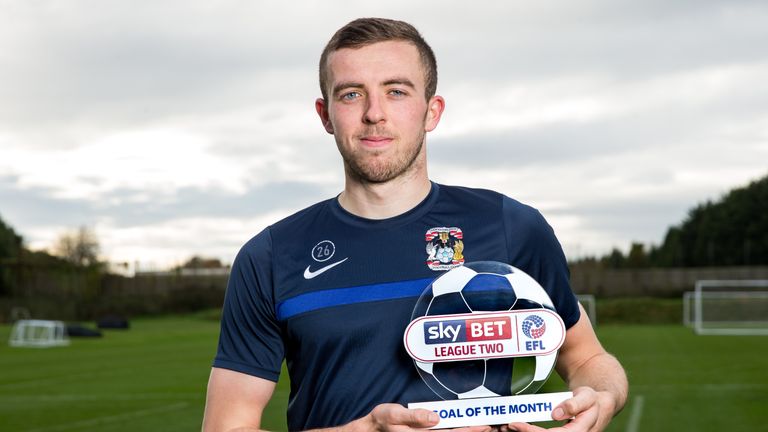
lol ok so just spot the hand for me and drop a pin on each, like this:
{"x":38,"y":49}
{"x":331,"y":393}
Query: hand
{"x":590,"y":412}
{"x":397,"y":418}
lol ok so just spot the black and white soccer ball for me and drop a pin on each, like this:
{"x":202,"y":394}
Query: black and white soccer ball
{"x":483,"y":286}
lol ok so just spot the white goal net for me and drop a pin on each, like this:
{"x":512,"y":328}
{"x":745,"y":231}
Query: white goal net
{"x":588,"y":301}
{"x":727,"y":307}
{"x":38,"y":333}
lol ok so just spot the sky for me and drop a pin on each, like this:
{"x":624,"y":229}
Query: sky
{"x":177,"y":128}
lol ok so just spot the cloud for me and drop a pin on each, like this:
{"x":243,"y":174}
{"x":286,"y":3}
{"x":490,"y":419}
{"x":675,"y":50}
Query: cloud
{"x":164,"y":227}
{"x":554,"y":122}
{"x":136,"y":207}
{"x":176,"y":127}
{"x":31,"y":207}
{"x":116,"y":64}
{"x":510,"y":41}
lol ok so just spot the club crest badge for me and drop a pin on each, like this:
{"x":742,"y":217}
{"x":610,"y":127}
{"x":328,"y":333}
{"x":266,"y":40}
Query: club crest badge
{"x":445,"y":248}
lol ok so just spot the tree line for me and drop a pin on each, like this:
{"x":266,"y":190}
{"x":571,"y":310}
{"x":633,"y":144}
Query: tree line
{"x":73,"y":251}
{"x":731,"y":231}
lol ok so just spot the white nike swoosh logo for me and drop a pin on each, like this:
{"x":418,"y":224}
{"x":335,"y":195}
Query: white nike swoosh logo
{"x":310,"y":274}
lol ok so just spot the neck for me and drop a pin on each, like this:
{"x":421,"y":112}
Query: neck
{"x":385,"y":200}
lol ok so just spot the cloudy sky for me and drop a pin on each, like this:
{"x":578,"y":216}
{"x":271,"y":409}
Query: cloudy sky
{"x":175,"y":128}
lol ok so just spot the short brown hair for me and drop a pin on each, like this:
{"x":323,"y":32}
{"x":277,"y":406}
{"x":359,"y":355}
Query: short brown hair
{"x":366,"y":31}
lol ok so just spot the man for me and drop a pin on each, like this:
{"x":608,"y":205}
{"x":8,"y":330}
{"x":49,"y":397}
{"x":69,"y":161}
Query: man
{"x":331,"y":289}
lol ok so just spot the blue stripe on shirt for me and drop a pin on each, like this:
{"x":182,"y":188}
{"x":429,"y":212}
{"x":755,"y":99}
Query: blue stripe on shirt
{"x":343,"y":296}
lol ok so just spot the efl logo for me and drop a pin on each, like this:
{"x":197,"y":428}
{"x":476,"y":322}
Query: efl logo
{"x":467,"y":330}
{"x":534,"y":326}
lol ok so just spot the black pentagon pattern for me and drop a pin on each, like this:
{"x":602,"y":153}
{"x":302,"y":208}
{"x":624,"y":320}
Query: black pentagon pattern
{"x":446,"y":304}
{"x":460,"y":377}
{"x":489,"y":293}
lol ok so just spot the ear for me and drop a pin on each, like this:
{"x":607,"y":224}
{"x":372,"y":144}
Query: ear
{"x":435,"y":109}
{"x":322,"y":111}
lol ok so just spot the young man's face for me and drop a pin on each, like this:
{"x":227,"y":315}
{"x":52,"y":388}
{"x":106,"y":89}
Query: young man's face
{"x":377,"y":111}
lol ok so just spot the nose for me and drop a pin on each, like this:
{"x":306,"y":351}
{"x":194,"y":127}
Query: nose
{"x":374,"y":111}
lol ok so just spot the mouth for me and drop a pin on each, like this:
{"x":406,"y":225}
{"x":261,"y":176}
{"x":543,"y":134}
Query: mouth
{"x":375,"y":140}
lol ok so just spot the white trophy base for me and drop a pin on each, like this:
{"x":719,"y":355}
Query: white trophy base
{"x":494,"y":410}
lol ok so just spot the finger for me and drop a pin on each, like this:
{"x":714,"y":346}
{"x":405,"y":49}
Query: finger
{"x":421,"y":418}
{"x":583,"y":399}
{"x":524,"y":427}
{"x":584,"y":421}
{"x":473,"y":429}
{"x":394,"y":414}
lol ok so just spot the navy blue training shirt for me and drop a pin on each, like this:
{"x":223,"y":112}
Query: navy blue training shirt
{"x":332,"y":293}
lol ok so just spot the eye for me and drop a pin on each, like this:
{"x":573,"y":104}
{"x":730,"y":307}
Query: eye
{"x":350,"y":96}
{"x":397,"y":92}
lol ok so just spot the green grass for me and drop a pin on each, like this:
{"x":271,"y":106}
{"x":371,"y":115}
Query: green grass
{"x":153,"y":377}
{"x":689,"y":382}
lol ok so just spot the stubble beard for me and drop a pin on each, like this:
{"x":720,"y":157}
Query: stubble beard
{"x":374,"y":168}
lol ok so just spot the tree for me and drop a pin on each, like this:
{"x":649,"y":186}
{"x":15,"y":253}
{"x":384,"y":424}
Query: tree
{"x":10,"y":242}
{"x":198,"y":262}
{"x":728,"y":232}
{"x":10,"y":249}
{"x":79,"y":247}
{"x":637,"y":257}
{"x":614,"y":260}
{"x":731,"y":231}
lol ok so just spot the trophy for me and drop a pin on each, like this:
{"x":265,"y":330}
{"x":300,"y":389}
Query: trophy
{"x":484,"y":337}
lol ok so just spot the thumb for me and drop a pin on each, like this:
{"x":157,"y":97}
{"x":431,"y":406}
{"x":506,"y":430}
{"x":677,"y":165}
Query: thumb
{"x":421,"y":418}
{"x":394,"y":414}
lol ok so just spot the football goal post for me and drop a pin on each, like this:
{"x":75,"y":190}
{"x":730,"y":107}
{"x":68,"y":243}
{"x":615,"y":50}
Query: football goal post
{"x":588,"y":301}
{"x":727,"y":307}
{"x":38,"y":334}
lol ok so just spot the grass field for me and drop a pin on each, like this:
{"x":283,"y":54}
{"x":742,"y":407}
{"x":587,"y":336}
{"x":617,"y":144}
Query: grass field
{"x":153,"y":377}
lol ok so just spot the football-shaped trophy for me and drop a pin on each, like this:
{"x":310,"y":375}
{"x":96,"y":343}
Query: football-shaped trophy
{"x":484,"y":337}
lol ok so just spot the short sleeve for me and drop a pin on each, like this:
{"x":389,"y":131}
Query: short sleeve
{"x":534,"y":248}
{"x":250,"y":340}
